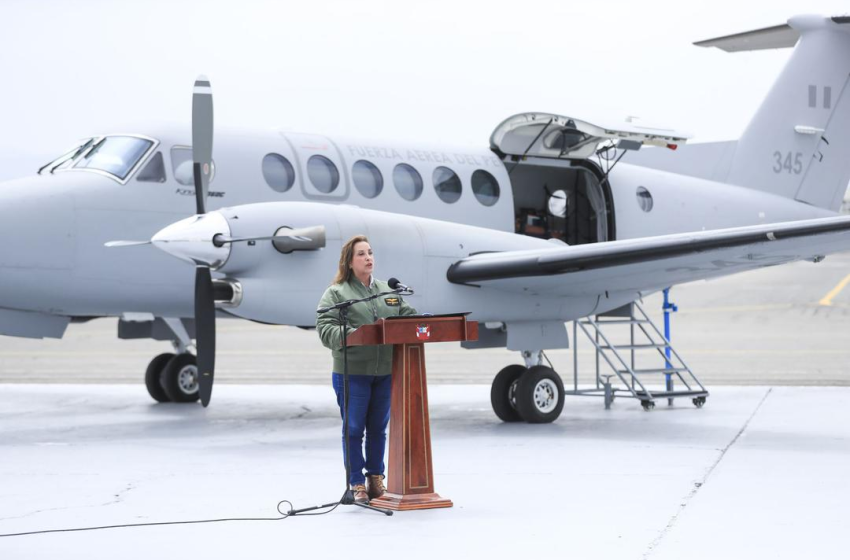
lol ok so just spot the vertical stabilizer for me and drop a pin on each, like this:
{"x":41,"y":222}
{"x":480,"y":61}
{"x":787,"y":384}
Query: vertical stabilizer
{"x":798,"y":143}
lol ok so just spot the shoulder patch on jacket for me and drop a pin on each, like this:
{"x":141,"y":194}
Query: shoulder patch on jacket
{"x":392,"y":301}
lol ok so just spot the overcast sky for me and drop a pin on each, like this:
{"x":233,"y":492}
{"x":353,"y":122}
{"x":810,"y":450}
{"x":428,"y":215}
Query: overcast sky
{"x":436,"y":71}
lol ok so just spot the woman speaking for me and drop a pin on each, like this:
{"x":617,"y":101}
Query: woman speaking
{"x":369,"y":367}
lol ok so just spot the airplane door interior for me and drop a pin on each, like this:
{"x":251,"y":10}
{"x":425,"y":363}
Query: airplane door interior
{"x":554,"y":201}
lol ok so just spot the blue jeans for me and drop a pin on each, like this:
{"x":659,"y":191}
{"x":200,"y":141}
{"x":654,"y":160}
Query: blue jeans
{"x":369,"y":412}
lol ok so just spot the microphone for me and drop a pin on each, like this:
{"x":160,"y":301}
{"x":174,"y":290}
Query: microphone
{"x":398,"y":286}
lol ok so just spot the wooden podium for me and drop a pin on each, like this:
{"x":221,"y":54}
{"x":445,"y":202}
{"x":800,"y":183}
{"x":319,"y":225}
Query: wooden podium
{"x":410,"y":480}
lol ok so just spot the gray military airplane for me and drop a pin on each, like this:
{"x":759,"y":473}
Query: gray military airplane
{"x":557,"y":220}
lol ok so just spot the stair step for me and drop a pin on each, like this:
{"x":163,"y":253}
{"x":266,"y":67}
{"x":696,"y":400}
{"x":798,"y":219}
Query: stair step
{"x":659,"y":370}
{"x":600,"y":321}
{"x":672,"y":394}
{"x":632,"y":346}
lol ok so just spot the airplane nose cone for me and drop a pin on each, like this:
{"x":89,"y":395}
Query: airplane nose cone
{"x":37,"y":226}
{"x":191,"y":239}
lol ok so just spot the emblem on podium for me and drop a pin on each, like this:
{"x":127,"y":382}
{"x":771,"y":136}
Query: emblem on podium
{"x":423,"y":332}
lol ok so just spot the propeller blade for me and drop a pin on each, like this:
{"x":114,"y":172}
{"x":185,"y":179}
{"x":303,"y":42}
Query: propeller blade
{"x":125,"y":243}
{"x":202,"y":140}
{"x":205,"y":331}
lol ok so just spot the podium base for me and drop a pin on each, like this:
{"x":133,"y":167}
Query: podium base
{"x":398,"y":502}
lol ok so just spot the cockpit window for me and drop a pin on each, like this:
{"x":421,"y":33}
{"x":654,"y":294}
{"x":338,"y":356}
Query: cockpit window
{"x":154,"y":171}
{"x":115,"y":155}
{"x":67,"y":158}
{"x":181,"y":166}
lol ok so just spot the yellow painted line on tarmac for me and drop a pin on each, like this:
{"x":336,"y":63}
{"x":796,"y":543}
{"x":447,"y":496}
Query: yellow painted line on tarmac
{"x":827,"y":299}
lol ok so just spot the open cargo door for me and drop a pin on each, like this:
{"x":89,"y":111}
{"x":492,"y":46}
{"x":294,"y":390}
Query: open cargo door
{"x":555,"y":136}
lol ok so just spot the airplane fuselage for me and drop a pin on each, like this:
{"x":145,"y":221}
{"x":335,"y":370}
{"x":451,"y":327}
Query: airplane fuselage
{"x":57,"y":264}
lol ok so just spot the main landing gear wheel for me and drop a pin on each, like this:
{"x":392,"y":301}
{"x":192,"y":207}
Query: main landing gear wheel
{"x":179,"y":379}
{"x":503,"y":393}
{"x":539,"y":395}
{"x":153,"y":375}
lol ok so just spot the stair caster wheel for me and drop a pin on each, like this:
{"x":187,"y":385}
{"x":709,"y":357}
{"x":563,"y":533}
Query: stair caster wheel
{"x":647,"y":405}
{"x":699,"y":402}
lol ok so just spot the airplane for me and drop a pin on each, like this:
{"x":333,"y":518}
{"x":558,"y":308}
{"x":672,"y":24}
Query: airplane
{"x":557,"y":219}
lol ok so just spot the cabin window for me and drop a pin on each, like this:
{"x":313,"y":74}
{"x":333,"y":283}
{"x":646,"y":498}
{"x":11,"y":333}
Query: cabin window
{"x":154,"y":171}
{"x":182,"y":164}
{"x":447,"y":184}
{"x":278,"y":172}
{"x":485,"y":188}
{"x":644,"y":199}
{"x":323,"y":174}
{"x":407,"y":181}
{"x":367,"y":178}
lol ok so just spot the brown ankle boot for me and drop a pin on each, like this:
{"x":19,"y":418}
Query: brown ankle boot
{"x":360,"y":495}
{"x":375,"y":482}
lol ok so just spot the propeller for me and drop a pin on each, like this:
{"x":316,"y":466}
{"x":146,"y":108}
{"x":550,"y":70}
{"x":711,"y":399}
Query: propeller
{"x":197,"y":239}
{"x":126,"y":243}
{"x":202,"y":145}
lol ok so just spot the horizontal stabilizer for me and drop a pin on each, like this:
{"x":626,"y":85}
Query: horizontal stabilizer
{"x":777,"y":37}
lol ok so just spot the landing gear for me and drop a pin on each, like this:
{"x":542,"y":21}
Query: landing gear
{"x":173,"y":378}
{"x":534,"y":394}
{"x":179,"y":379}
{"x":153,"y":375}
{"x":540,"y":395}
{"x":503,"y":393}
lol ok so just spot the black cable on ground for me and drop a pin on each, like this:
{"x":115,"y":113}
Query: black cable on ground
{"x":284,"y":515}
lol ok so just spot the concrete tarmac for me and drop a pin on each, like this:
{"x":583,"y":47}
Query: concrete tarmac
{"x":759,"y":473}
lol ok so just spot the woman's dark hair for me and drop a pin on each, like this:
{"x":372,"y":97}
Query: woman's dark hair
{"x":345,"y":257}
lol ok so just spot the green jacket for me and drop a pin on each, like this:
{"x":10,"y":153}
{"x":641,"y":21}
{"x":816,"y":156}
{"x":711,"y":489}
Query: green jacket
{"x":362,"y":360}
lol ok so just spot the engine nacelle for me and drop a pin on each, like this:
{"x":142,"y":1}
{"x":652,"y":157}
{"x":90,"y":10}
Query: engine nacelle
{"x":284,"y":287}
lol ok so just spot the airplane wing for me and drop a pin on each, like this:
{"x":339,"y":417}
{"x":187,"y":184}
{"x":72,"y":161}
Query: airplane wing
{"x":653,"y":263}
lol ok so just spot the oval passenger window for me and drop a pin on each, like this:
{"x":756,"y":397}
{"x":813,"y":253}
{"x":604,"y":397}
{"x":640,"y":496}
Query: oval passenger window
{"x":407,"y":181}
{"x":644,"y":199}
{"x":323,"y":174}
{"x":367,"y":178}
{"x":485,"y":188}
{"x":447,"y":184}
{"x":278,"y":172}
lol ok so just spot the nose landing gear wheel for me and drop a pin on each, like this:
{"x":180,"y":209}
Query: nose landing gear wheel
{"x":153,"y":376}
{"x":180,"y":379}
{"x":503,"y":393}
{"x":540,"y":395}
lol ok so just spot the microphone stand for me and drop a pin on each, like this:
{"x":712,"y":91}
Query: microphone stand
{"x":348,"y":496}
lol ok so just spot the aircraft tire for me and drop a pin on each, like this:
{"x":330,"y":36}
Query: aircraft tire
{"x":501,"y":393}
{"x":540,"y":395}
{"x":153,"y":376}
{"x":180,"y":379}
